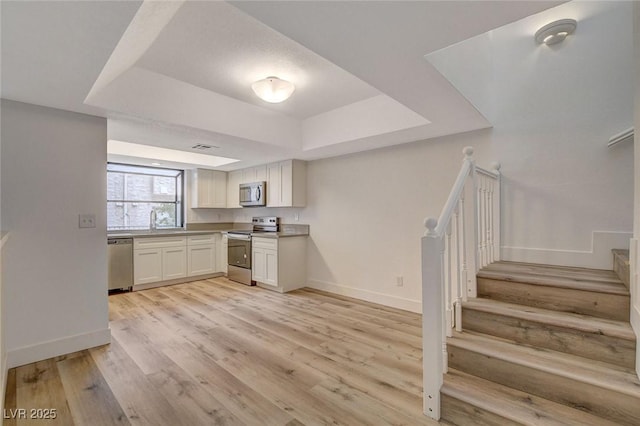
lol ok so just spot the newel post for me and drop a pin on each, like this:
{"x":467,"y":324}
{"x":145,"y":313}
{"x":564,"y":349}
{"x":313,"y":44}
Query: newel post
{"x":432,"y":319}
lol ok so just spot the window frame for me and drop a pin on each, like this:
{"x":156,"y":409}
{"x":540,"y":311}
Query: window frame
{"x":179,"y":199}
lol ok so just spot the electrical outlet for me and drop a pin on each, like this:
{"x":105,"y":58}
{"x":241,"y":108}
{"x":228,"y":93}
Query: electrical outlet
{"x":86,"y":220}
{"x":297,"y":216}
{"x":399,"y":281}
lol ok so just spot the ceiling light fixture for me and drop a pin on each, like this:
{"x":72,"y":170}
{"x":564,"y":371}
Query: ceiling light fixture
{"x":273,"y":89}
{"x":556,"y":31}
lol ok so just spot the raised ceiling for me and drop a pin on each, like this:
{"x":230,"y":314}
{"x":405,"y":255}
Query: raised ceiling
{"x":169,"y":73}
{"x":217,"y":47}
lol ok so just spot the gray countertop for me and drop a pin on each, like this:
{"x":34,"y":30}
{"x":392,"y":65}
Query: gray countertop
{"x":289,"y":231}
{"x":158,"y":233}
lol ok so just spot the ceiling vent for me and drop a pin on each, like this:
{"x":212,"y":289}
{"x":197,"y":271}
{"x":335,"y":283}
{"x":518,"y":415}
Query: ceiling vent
{"x":203,"y":147}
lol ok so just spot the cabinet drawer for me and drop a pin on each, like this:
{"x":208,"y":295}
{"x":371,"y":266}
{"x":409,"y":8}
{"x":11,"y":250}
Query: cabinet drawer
{"x":266,"y":243}
{"x":160,"y":242}
{"x":196,"y":240}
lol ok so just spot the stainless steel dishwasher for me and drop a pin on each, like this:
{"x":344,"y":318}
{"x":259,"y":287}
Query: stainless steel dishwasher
{"x":120,"y":255}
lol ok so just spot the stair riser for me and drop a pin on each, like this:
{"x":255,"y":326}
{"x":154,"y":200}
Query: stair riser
{"x":587,"y":397}
{"x":594,"y":346}
{"x":601,"y":305}
{"x":461,"y":413}
{"x":621,"y":267}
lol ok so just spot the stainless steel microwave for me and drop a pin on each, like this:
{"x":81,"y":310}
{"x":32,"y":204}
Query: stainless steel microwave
{"x":253,"y":194}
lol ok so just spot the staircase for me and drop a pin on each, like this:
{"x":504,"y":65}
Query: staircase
{"x":543,"y":345}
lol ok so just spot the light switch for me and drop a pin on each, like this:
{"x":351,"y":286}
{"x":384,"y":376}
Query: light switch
{"x":86,"y":220}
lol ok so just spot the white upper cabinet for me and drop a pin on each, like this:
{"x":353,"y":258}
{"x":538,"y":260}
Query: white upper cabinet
{"x":287,"y":184}
{"x":254,"y":174}
{"x":233,"y":189}
{"x":209,"y":189}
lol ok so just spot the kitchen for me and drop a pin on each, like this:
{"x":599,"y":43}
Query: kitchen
{"x":170,"y":252}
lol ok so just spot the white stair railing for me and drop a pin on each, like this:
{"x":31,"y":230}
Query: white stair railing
{"x":465,"y":238}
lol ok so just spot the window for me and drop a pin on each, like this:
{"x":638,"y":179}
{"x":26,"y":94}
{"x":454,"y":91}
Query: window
{"x":134,"y":191}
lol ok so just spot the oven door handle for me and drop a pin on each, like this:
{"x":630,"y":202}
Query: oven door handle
{"x":240,"y":237}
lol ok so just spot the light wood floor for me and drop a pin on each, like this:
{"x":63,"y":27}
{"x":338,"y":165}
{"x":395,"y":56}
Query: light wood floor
{"x":219,"y":353}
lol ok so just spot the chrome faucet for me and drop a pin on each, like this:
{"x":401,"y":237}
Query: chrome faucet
{"x":152,"y":220}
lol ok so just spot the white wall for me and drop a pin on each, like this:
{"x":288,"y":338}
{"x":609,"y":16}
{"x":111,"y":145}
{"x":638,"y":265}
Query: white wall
{"x":553,"y":110}
{"x":3,"y":353}
{"x":366,"y":214}
{"x":53,"y":168}
{"x":635,"y":252}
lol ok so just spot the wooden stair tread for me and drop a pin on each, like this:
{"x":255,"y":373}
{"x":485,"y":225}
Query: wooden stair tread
{"x":604,"y":275}
{"x":582,"y":284}
{"x":615,"y":378}
{"x":513,"y":404}
{"x":584,"y":323}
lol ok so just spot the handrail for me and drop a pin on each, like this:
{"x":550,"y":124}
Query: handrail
{"x":625,"y":136}
{"x":454,"y":195}
{"x":452,"y":253}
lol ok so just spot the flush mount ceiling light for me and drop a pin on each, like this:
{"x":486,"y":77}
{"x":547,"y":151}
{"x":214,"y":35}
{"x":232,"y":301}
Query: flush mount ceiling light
{"x":556,"y":31}
{"x":273,"y":89}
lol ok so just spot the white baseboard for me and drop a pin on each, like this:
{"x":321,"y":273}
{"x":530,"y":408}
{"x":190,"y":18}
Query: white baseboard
{"x":5,"y":372}
{"x":368,"y":295}
{"x":598,"y":257}
{"x":53,"y":348}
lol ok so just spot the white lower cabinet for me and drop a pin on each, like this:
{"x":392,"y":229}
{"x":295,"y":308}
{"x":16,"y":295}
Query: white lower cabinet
{"x":223,"y":255}
{"x":159,"y":264}
{"x":147,"y":265}
{"x":174,"y":263}
{"x":158,"y":259}
{"x":202,"y":260}
{"x":202,"y":254}
{"x":279,"y":263}
{"x":265,"y":266}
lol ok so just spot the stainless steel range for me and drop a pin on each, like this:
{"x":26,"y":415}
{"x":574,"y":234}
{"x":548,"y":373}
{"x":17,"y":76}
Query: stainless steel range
{"x":239,"y":251}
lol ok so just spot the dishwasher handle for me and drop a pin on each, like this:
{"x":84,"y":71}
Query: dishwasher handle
{"x":119,"y":241}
